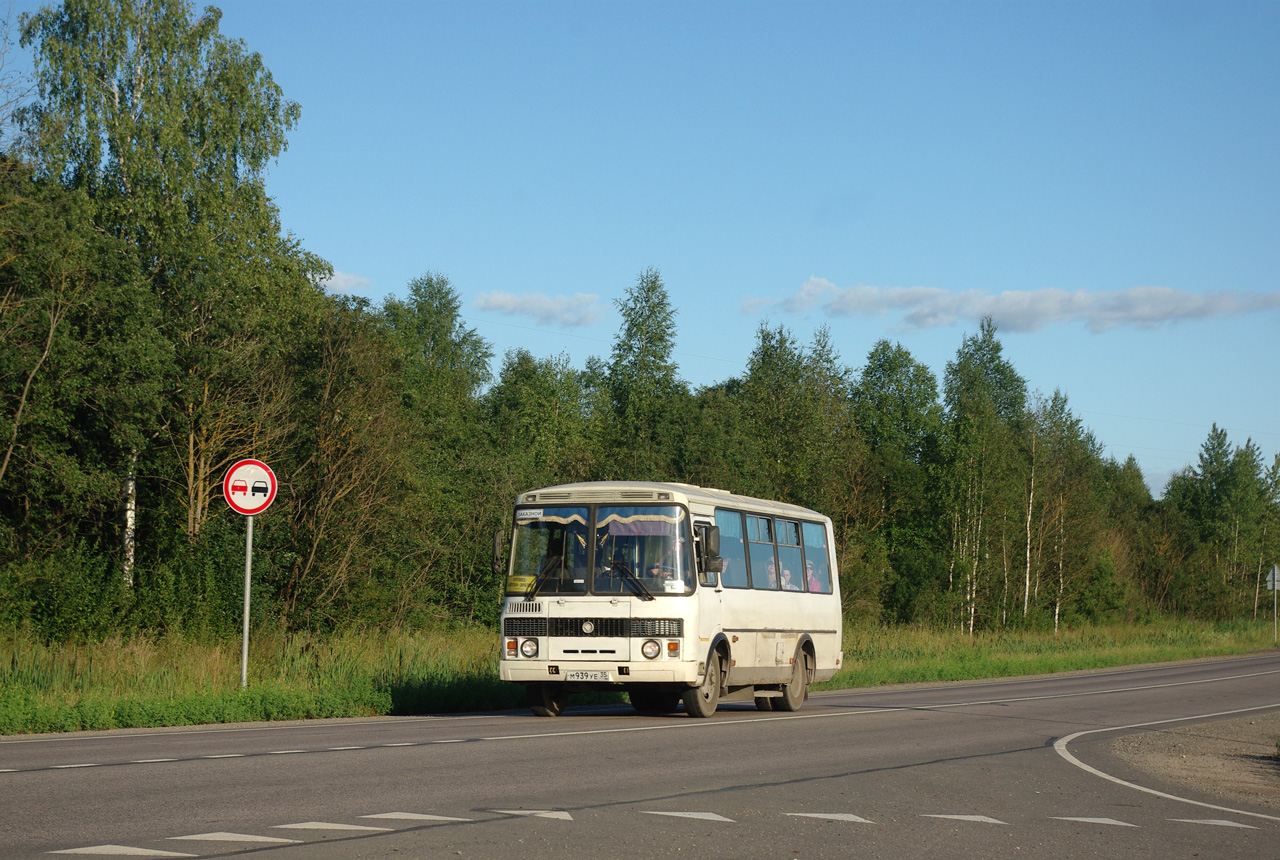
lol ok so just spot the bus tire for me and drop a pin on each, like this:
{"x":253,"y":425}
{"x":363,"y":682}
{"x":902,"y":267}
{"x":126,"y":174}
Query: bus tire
{"x":547,"y":700}
{"x":764,"y":703}
{"x":652,"y":702}
{"x":702,"y":701}
{"x":797,"y":690}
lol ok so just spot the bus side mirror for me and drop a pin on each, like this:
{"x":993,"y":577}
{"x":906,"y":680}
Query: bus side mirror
{"x":498,"y":567}
{"x":712,"y":563}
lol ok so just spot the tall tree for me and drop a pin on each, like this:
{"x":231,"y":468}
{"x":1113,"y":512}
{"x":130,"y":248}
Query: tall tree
{"x":896,"y":409}
{"x":439,"y":532}
{"x":646,"y":393}
{"x":984,"y":400}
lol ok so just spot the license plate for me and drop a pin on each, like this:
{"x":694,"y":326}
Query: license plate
{"x":587,"y":675}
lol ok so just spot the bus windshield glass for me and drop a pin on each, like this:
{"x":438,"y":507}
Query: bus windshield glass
{"x":640,"y":550}
{"x":550,"y":554}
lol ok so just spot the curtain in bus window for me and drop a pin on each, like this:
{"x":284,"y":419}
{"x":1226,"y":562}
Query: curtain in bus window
{"x":790,"y":561}
{"x":732,"y":549}
{"x":817,"y":573}
{"x":550,"y":554}
{"x":648,"y":543}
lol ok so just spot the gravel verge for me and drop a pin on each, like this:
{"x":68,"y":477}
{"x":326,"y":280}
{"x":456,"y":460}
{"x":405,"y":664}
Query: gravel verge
{"x":1233,"y":760}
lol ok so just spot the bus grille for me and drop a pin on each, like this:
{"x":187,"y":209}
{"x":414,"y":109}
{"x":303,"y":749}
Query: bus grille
{"x":596,"y":627}
{"x":657,"y":627}
{"x":593,"y":627}
{"x":524,"y":627}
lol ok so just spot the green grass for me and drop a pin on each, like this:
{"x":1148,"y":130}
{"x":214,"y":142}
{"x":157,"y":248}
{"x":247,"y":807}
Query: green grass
{"x":175,"y":681}
{"x":876,"y":655}
{"x":172,"y":681}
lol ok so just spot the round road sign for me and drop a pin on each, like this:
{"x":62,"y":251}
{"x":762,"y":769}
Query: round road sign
{"x":249,"y":487}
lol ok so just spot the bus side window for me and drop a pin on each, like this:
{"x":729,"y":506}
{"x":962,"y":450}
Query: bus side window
{"x":733,"y":553}
{"x":817,"y":574}
{"x":790,"y":562}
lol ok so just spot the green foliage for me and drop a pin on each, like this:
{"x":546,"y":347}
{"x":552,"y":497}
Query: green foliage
{"x":646,"y":395}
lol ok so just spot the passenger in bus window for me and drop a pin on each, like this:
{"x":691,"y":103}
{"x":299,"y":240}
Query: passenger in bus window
{"x":789,"y":583}
{"x":772,"y":581}
{"x":817,"y":577}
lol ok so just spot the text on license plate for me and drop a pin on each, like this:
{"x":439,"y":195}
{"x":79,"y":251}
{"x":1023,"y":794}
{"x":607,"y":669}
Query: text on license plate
{"x":587,"y":675}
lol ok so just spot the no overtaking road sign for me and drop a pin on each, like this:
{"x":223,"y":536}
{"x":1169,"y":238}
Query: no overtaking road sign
{"x":249,"y":487}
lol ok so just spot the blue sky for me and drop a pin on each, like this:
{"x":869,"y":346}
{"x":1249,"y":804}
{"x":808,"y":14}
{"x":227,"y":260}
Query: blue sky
{"x":1101,"y":178}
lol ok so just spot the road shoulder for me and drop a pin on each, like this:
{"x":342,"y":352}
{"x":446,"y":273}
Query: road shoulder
{"x":1228,"y":759}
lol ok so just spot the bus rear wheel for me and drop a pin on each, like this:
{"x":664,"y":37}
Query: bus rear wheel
{"x":702,"y":701}
{"x":797,"y":690}
{"x":547,"y":700}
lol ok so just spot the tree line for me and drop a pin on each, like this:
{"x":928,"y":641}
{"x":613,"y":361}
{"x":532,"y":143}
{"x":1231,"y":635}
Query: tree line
{"x":159,"y":322}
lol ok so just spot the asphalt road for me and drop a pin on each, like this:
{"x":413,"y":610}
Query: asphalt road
{"x":962,"y":770}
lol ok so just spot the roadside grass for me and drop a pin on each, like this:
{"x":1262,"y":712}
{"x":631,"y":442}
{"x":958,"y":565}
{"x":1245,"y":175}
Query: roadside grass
{"x":875,"y":655}
{"x":174,"y":680}
{"x":177,"y":681}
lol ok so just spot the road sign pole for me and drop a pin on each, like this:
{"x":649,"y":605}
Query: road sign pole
{"x":248,"y":576}
{"x":244,"y":483}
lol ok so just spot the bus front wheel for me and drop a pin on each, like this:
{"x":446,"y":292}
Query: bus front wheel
{"x":547,"y":700}
{"x":702,"y":701}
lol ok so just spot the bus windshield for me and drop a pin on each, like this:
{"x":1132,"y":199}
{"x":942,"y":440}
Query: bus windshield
{"x":646,"y":546}
{"x":642,"y":550}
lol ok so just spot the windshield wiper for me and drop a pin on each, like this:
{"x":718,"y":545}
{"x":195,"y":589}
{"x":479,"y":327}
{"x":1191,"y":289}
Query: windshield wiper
{"x":628,"y":576}
{"x":544,"y":573}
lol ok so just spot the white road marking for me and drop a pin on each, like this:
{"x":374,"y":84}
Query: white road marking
{"x":224,"y":755}
{"x":8,"y":770}
{"x":285,"y":752}
{"x":223,"y":836}
{"x":336,"y":749}
{"x":557,"y":814}
{"x":703,"y":725}
{"x":151,"y":760}
{"x":703,"y":816}
{"x":413,"y":816}
{"x":66,"y":766}
{"x":400,"y":745}
{"x":328,"y":825}
{"x":451,"y":741}
{"x":1215,"y":822}
{"x":980,"y":819}
{"x":121,"y":851}
{"x":833,"y":816}
{"x":1111,"y":821}
{"x":1060,"y":746}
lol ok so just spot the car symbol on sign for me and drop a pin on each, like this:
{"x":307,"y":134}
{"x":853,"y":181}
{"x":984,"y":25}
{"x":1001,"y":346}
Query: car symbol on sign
{"x":261,"y":487}
{"x":240,"y":487}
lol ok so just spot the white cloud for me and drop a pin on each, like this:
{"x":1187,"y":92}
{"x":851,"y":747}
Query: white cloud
{"x":580,"y":309}
{"x":344,"y":282}
{"x":1025,"y":310}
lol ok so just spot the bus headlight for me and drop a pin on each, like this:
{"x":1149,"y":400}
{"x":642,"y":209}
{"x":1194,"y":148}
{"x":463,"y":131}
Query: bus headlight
{"x":650,"y":649}
{"x":529,"y":647}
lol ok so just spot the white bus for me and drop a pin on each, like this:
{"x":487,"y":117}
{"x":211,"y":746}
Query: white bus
{"x":675,"y":592}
